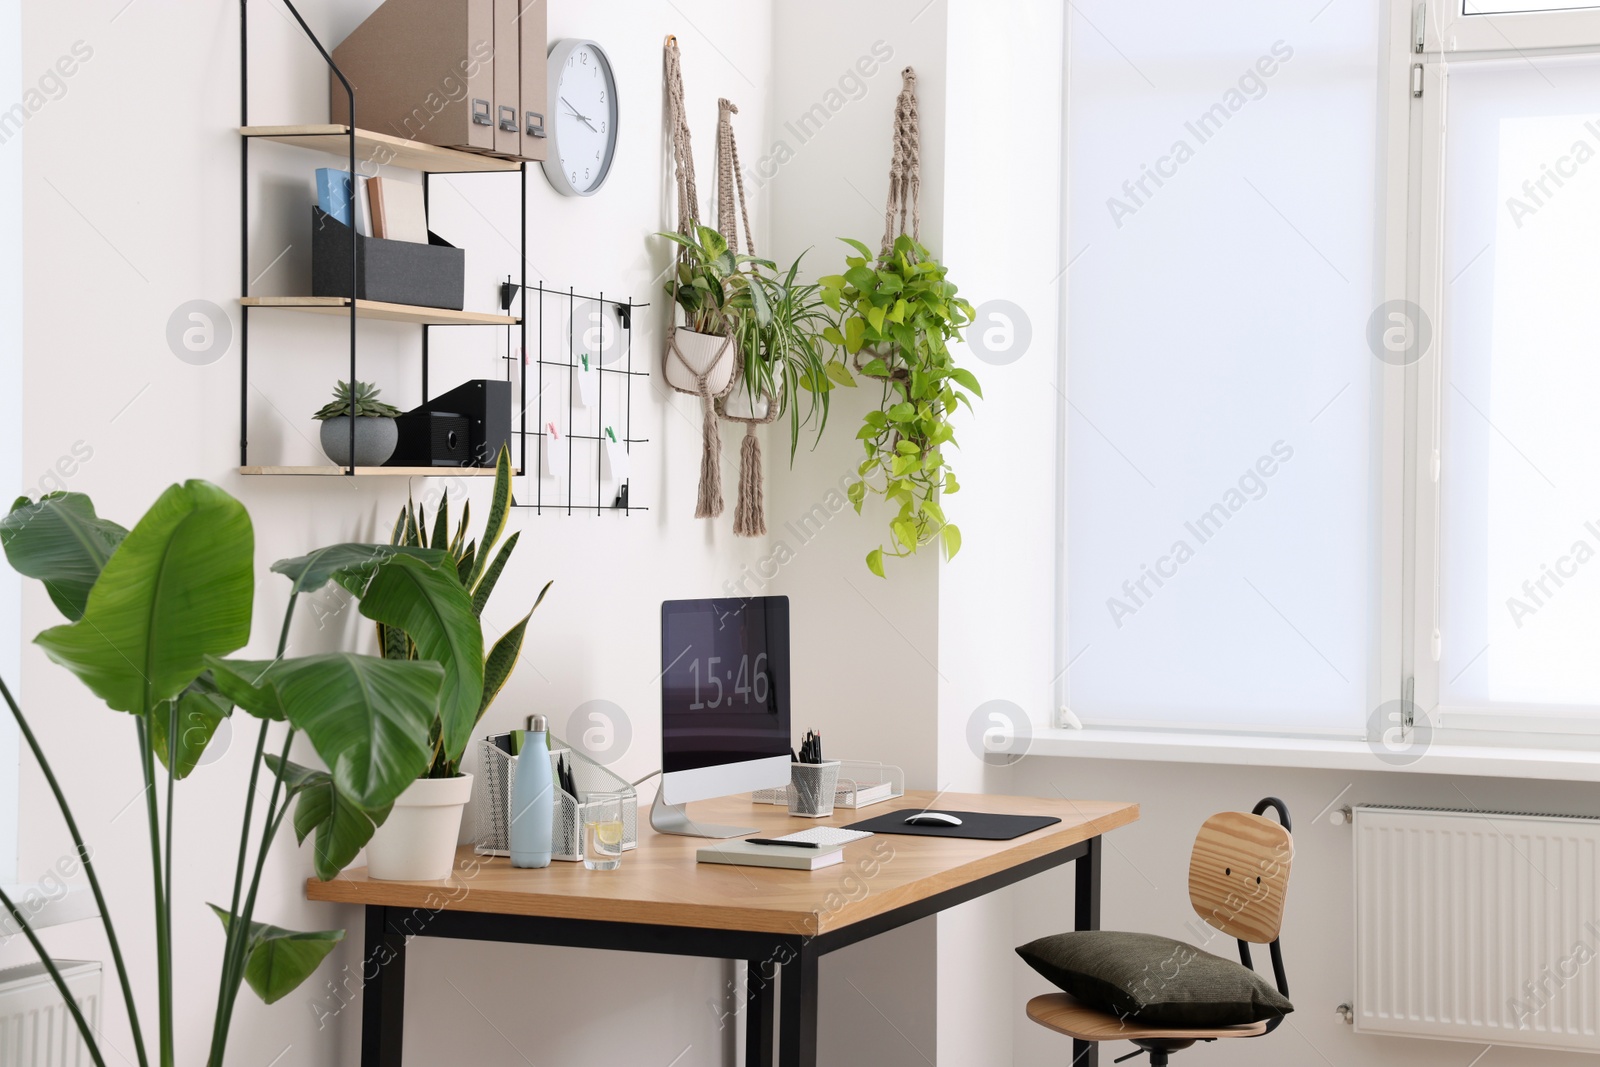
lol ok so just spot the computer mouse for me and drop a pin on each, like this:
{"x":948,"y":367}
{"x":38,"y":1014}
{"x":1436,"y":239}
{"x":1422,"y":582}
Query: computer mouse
{"x":932,"y":818}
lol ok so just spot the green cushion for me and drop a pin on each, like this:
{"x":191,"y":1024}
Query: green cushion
{"x":1155,"y":981}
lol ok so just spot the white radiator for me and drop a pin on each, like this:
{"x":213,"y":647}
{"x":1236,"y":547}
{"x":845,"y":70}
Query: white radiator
{"x":36,"y":1030}
{"x":1478,"y":926}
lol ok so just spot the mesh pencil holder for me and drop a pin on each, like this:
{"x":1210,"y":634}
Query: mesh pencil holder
{"x":811,"y":788}
{"x":499,"y":770}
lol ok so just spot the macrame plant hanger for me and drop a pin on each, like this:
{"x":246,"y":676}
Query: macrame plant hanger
{"x":905,"y":191}
{"x":749,"y":515}
{"x":717,"y":372}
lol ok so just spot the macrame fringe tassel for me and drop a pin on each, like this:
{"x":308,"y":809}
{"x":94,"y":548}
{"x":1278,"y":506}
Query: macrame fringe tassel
{"x":749,"y":517}
{"x":709,"y":503}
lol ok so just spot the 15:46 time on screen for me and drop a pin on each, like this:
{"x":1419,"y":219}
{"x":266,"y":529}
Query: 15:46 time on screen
{"x":749,"y":683}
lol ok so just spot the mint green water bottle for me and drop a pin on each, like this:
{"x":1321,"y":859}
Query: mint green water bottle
{"x":533,"y":798}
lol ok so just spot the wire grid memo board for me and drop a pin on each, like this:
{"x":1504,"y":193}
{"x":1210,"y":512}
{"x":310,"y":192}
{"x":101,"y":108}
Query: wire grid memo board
{"x":589,"y":407}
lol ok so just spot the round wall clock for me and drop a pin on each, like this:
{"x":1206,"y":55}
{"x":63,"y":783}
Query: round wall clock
{"x":583,"y":99}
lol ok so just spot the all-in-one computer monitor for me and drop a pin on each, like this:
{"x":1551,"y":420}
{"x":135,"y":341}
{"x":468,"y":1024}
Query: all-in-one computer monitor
{"x":724,"y":705}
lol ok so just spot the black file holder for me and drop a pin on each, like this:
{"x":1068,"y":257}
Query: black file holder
{"x":394,"y":272}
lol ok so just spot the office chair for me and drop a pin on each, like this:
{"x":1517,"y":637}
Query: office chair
{"x":1238,"y":875}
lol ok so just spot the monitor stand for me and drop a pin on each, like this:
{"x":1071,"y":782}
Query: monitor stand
{"x":674,"y":819}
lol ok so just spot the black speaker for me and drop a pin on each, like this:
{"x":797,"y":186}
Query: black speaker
{"x":432,"y":439}
{"x":486,"y":403}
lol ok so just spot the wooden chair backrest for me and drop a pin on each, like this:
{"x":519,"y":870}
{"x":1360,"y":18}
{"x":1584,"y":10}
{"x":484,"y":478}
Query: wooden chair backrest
{"x":1239,"y":874}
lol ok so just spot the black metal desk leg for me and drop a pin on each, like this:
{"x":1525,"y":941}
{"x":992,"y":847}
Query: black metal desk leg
{"x":760,"y":1013}
{"x":383,"y":998}
{"x":797,"y":1015}
{"x":1086,"y":916}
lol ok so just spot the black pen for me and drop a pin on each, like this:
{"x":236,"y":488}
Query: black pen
{"x":785,"y":844}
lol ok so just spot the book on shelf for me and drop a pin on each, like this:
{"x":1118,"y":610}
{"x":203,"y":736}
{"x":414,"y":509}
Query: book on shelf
{"x":363,"y":208}
{"x":398,"y":208}
{"x":744,"y":854}
{"x":333,"y":193}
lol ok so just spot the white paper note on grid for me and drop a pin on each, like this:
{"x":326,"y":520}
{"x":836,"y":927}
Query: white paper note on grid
{"x":616,"y":459}
{"x":555,"y":451}
{"x":584,"y":381}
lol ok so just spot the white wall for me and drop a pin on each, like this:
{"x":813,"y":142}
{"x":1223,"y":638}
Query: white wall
{"x":131,"y":184}
{"x":873,"y":644}
{"x":1002,"y":169}
{"x":10,"y":410}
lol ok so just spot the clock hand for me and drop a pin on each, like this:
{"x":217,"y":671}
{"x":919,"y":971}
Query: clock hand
{"x":579,"y":115}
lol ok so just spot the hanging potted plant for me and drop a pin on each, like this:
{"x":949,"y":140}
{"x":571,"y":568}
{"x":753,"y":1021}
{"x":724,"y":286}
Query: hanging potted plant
{"x":418,"y":841}
{"x":782,"y":355}
{"x":897,"y":320}
{"x":898,"y":313}
{"x":708,"y":282}
{"x":376,"y":433}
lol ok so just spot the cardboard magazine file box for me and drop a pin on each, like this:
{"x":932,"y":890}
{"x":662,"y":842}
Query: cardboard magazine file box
{"x":395,"y":272}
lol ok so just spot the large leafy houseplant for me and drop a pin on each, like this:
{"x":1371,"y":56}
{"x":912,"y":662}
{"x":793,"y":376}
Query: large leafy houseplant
{"x":152,"y":615}
{"x":471,"y":690}
{"x":898,"y":317}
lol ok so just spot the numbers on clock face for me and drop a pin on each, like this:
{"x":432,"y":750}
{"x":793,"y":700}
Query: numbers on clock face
{"x":747,"y":684}
{"x":585,"y":118}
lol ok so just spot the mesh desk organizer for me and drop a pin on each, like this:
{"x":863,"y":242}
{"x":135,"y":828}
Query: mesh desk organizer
{"x":499,"y":770}
{"x":856,"y":778}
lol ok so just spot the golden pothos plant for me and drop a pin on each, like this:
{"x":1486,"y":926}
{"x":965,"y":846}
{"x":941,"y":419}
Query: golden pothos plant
{"x":898,"y":316}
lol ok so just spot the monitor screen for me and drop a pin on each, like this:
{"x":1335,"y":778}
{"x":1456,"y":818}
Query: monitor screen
{"x":724,"y":681}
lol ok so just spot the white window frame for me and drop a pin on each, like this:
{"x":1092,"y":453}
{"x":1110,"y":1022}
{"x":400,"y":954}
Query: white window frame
{"x":1420,"y":40}
{"x":1448,"y":28}
{"x":1507,"y":38}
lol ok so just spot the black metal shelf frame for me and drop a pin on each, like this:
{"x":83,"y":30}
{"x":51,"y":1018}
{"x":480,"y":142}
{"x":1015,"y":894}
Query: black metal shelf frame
{"x":244,"y":248}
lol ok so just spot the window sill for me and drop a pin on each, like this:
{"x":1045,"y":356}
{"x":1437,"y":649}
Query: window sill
{"x":47,"y":906}
{"x":1312,"y":754}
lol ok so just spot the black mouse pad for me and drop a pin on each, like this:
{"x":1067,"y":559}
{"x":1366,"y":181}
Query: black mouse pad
{"x":975,"y":824}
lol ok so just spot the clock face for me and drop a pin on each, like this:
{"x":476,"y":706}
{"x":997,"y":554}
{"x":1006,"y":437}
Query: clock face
{"x":583,"y":100}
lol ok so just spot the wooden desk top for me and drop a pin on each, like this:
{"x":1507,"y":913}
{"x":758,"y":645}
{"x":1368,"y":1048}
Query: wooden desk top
{"x":661,"y":883}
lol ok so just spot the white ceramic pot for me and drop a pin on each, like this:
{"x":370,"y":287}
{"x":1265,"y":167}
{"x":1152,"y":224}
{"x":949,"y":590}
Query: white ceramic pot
{"x":739,"y":405}
{"x":417,"y":843}
{"x":699,"y":353}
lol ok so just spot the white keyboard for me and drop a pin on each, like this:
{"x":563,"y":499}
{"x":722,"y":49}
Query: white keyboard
{"x":826,"y":836}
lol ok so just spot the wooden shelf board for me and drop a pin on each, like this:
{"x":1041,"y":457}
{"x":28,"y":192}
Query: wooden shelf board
{"x":381,"y":472}
{"x":381,"y":148}
{"x":377,"y":309}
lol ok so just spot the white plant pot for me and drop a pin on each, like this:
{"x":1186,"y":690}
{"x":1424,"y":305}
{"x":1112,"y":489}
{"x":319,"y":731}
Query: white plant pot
{"x":417,"y":843}
{"x":711,"y":354}
{"x":739,"y":405}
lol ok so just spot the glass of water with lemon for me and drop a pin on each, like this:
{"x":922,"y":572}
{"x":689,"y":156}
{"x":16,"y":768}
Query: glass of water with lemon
{"x":602,"y":831}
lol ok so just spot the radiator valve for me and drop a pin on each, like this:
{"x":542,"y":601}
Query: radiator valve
{"x":1341,"y":816}
{"x":1345,"y":1014}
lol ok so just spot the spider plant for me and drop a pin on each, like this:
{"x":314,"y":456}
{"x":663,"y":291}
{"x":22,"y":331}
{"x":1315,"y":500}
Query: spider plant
{"x":787,"y":353}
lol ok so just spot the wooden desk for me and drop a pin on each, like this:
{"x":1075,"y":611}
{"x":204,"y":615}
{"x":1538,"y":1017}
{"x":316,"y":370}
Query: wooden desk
{"x":780,"y":922}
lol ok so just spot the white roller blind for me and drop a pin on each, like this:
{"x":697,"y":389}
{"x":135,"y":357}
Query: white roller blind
{"x":1520,"y":484}
{"x":1222,"y":239}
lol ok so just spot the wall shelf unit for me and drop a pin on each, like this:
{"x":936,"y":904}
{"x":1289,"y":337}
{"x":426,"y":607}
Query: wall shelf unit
{"x":381,"y":149}
{"x":383,"y":472}
{"x":378,"y":309}
{"x":363,"y":152}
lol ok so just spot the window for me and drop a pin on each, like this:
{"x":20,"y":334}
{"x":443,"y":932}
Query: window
{"x":1267,"y":528}
{"x":1516,"y":187}
{"x":10,"y":415}
{"x":1224,"y":239}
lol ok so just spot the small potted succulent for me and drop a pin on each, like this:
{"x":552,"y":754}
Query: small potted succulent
{"x":375,"y":429}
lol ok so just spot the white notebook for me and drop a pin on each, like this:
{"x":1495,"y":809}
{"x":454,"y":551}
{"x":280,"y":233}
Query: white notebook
{"x":744,"y":854}
{"x":404,"y":217}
